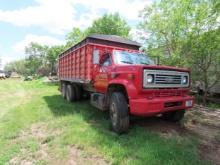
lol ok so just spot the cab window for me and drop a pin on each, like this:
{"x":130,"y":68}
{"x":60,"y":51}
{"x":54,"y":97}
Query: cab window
{"x":107,"y":60}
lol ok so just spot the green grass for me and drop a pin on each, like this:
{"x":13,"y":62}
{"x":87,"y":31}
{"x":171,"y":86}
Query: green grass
{"x":214,"y":105}
{"x":211,"y":105}
{"x":25,"y":104}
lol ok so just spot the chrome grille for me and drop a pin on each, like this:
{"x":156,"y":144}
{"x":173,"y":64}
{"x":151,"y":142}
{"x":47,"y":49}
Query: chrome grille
{"x":167,"y":79}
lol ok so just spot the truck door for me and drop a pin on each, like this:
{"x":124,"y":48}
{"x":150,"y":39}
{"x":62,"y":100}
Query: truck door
{"x":102,"y":79}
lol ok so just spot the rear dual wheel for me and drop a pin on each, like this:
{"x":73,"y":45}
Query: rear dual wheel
{"x":70,"y":93}
{"x":73,"y":92}
{"x":63,"y":89}
{"x":78,"y":91}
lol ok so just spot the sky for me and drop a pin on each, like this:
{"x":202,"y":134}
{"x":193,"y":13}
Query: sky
{"x":48,"y":21}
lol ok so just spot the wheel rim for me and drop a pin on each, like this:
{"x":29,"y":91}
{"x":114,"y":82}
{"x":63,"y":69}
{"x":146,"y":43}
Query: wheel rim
{"x":113,"y":114}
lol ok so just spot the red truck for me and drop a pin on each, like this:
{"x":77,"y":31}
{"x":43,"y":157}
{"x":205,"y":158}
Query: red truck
{"x":121,"y":79}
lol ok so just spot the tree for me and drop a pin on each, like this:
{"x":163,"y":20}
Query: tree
{"x":18,"y":66}
{"x":75,"y":36}
{"x":52,"y":54}
{"x":111,"y":24}
{"x":188,"y":33}
{"x":167,"y":24}
{"x":204,"y":54}
{"x":36,"y":54}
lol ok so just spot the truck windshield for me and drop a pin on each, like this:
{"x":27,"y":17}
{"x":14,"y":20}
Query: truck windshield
{"x":123,"y":57}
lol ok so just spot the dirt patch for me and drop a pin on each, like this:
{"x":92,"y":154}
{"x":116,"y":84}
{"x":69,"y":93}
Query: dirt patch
{"x":204,"y":115}
{"x":15,"y":160}
{"x":210,"y":150}
{"x":201,"y":122}
{"x":42,"y":136}
{"x":28,"y":156}
{"x":38,"y":130}
{"x":205,"y":123}
{"x":164,"y":128}
{"x":78,"y":157}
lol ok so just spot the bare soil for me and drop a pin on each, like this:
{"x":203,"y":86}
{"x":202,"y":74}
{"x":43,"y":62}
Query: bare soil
{"x":200,"y":121}
{"x":40,"y":132}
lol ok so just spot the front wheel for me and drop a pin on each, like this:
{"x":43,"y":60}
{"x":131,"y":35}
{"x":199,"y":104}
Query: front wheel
{"x":119,"y":114}
{"x":174,"y":116}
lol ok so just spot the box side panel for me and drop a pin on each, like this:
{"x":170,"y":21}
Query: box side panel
{"x":89,"y":63}
{"x":77,"y":65}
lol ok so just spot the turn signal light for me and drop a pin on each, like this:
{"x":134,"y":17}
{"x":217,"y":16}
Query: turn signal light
{"x":131,"y":76}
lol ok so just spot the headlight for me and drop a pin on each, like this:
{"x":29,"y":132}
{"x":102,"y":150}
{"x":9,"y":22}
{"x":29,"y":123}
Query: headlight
{"x":185,"y":80}
{"x":150,"y":78}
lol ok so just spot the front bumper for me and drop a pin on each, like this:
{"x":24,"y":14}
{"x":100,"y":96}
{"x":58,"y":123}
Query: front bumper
{"x":149,"y":107}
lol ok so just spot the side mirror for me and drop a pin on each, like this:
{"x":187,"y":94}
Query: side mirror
{"x":96,"y":56}
{"x":156,"y":60}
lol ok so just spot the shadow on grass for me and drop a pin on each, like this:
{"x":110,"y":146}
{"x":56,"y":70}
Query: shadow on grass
{"x":139,"y":146}
{"x":60,"y":107}
{"x":51,"y":83}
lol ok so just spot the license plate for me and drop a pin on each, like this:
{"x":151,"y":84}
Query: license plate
{"x":189,"y":103}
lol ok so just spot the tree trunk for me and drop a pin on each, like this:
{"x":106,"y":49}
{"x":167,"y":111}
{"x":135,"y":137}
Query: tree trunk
{"x":204,"y":98}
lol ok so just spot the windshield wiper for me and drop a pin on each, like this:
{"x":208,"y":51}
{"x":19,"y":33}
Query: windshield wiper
{"x":145,"y":63}
{"x":126,"y":62}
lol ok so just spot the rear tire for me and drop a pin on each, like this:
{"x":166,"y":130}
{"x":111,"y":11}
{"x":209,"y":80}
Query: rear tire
{"x":78,"y":92}
{"x":70,"y":93}
{"x":119,"y":113}
{"x":63,"y":89}
{"x":174,"y":116}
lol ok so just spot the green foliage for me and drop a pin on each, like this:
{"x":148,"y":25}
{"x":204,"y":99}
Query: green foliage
{"x":52,"y":55}
{"x":169,"y":24}
{"x":36,"y":54}
{"x":204,"y":54}
{"x":35,"y":50}
{"x":39,"y":60}
{"x":75,"y":36}
{"x":111,"y":24}
{"x":166,"y":22}
{"x":18,"y":66}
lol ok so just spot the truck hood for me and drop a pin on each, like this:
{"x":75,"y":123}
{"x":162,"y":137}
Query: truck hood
{"x":163,"y":67}
{"x":152,"y":67}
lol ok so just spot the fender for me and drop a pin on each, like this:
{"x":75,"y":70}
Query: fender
{"x":128,"y":85}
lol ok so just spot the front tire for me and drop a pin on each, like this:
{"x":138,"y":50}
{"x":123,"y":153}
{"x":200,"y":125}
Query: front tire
{"x":174,"y":116}
{"x":119,"y":113}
